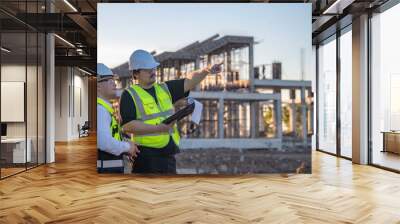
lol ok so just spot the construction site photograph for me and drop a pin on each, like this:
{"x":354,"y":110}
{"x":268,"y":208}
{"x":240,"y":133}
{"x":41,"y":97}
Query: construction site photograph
{"x":255,"y":97}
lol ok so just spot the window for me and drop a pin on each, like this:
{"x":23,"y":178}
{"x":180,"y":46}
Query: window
{"x":346,"y":93}
{"x":327,"y":96}
{"x":385,"y":87}
{"x":22,"y":67}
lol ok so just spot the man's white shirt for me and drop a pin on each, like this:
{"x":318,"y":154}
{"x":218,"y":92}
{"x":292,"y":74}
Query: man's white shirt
{"x":105,"y":141}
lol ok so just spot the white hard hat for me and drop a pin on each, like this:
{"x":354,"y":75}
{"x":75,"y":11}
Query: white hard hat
{"x":141,"y":59}
{"x":103,"y":71}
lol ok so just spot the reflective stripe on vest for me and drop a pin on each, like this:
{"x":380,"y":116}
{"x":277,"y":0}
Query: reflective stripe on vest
{"x":114,"y":126}
{"x":105,"y":159}
{"x":110,"y":163}
{"x":153,"y":113}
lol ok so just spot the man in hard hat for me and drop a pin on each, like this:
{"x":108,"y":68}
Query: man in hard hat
{"x":110,"y":146}
{"x":145,"y":105}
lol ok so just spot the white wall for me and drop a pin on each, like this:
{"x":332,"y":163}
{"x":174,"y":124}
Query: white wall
{"x":11,"y":73}
{"x":79,"y":115}
{"x":33,"y":126}
{"x":61,"y":103}
{"x":71,"y":93}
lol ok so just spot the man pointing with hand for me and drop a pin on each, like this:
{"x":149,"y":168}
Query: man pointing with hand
{"x":145,"y":105}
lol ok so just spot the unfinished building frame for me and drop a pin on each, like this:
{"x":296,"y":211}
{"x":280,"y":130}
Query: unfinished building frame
{"x":241,"y":108}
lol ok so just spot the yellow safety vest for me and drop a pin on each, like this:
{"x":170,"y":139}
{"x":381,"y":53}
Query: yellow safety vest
{"x":148,"y":111}
{"x":115,"y":128}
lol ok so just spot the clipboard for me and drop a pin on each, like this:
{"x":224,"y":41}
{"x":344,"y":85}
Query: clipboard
{"x":179,"y":115}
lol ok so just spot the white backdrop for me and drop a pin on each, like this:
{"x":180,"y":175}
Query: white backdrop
{"x":12,"y":101}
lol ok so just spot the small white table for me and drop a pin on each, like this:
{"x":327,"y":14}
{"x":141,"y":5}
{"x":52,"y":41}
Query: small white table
{"x":19,"y":149}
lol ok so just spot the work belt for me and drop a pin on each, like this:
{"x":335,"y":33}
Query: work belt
{"x":109,"y":163}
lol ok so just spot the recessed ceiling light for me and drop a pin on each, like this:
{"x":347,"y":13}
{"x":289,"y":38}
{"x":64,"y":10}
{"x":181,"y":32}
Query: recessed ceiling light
{"x":86,"y":72}
{"x":70,"y":5}
{"x":64,"y":40}
{"x":338,"y":6}
{"x":5,"y":50}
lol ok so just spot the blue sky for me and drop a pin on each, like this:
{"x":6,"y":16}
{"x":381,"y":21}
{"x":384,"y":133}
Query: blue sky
{"x":281,"y":29}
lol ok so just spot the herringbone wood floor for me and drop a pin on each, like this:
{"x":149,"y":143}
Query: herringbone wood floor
{"x":70,"y":191}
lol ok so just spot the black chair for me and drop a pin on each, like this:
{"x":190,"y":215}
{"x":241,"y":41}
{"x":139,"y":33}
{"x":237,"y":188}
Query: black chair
{"x":84,"y":130}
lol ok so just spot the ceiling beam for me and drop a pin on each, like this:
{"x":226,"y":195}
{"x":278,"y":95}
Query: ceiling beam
{"x":78,"y":61}
{"x":84,"y":24}
{"x":338,"y":6}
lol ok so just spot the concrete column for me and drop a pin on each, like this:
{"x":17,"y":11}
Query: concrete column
{"x":238,"y":122}
{"x":304,"y":114}
{"x":278,"y":119}
{"x":251,"y":67}
{"x":50,"y":98}
{"x":50,"y":92}
{"x":235,"y":119}
{"x":168,"y":71}
{"x":292,"y":94}
{"x":257,"y":117}
{"x":178,"y":69}
{"x":221,"y":118}
{"x":161,"y":70}
{"x":253,"y":108}
{"x":228,"y":68}
{"x":254,"y":119}
{"x":360,"y":90}
{"x":229,"y":116}
{"x":197,"y":63}
{"x":197,"y":67}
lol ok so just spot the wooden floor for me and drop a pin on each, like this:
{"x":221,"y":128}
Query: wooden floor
{"x":5,"y":172}
{"x":70,"y":191}
{"x":387,"y":159}
{"x":10,"y":171}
